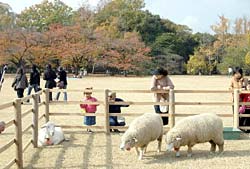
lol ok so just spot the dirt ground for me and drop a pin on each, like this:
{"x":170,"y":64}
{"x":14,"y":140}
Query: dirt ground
{"x":98,"y":150}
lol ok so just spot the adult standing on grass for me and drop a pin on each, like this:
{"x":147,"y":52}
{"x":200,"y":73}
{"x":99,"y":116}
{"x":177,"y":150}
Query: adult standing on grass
{"x":62,"y":83}
{"x":34,"y":81}
{"x":49,"y":76}
{"x":160,"y":80}
{"x":20,"y":82}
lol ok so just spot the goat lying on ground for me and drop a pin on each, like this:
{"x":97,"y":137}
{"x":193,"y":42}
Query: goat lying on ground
{"x":49,"y":134}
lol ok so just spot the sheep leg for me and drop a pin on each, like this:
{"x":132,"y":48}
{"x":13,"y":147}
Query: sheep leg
{"x":137,"y":151}
{"x":189,"y":151}
{"x":159,"y":144}
{"x":141,"y":153}
{"x":213,"y":146}
{"x":220,"y":143}
{"x":177,"y":154}
{"x":221,"y":147}
{"x":145,"y":149}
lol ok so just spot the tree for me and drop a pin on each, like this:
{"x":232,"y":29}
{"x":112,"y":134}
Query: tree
{"x":177,"y":43}
{"x":7,"y":17}
{"x":40,"y":16}
{"x":127,"y":54}
{"x":75,"y":40}
{"x":196,"y":64}
{"x":17,"y":46}
{"x":149,"y":26}
{"x":234,"y":57}
{"x":204,"y":39}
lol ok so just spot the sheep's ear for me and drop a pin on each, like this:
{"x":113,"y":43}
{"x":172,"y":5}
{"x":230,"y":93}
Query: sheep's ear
{"x":178,"y":138}
{"x":135,"y":139}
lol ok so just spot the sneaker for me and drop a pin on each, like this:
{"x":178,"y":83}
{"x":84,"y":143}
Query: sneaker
{"x":89,"y":131}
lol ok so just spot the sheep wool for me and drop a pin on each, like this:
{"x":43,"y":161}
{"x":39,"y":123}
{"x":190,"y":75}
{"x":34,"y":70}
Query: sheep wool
{"x":141,"y":131}
{"x":49,"y":134}
{"x":196,"y":129}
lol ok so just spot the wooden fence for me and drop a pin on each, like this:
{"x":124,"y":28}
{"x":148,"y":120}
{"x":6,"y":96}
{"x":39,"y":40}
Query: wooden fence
{"x":19,"y":115}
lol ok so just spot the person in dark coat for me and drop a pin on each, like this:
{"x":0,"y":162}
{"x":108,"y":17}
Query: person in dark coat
{"x":62,"y":83}
{"x":49,"y":76}
{"x":20,"y":82}
{"x":34,"y":81}
{"x":113,"y":120}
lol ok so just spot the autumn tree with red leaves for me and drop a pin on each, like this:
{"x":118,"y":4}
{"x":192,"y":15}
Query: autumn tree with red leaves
{"x":128,"y":53}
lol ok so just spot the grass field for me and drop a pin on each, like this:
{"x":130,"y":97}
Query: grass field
{"x":99,"y":150}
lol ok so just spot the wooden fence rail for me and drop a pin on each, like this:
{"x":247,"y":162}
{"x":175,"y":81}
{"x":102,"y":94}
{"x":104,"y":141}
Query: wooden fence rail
{"x":19,"y":115}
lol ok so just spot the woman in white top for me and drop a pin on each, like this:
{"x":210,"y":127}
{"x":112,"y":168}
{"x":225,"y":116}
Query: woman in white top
{"x":160,"y":80}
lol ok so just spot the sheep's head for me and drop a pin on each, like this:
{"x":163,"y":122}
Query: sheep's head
{"x":128,"y":143}
{"x":49,"y":132}
{"x":173,"y":140}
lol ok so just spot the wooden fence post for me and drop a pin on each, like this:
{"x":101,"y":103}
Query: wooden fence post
{"x":171,"y":108}
{"x":35,"y":119}
{"x":106,"y":108}
{"x":18,"y":139}
{"x":236,"y":108}
{"x":46,"y":105}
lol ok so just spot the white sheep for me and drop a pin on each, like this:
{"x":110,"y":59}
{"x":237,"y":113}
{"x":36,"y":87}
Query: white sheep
{"x":141,"y":131}
{"x":196,"y":129}
{"x":49,"y":134}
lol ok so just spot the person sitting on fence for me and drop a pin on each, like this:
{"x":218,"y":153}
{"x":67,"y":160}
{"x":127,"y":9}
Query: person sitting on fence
{"x":114,"y":120}
{"x":245,"y":109}
{"x":2,"y":126}
{"x":89,"y":108}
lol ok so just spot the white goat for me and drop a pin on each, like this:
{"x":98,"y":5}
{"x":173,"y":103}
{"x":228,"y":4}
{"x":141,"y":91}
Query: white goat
{"x":49,"y":134}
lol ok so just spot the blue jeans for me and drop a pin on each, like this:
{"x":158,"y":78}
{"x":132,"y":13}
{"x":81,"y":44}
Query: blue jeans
{"x":36,"y":88}
{"x":114,"y":122}
{"x":65,"y":98}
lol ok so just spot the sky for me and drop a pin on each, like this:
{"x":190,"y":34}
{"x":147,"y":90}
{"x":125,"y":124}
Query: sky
{"x":199,"y":15}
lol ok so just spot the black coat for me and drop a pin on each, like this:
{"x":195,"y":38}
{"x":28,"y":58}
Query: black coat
{"x":62,"y":76}
{"x":35,"y":77}
{"x":49,"y":76}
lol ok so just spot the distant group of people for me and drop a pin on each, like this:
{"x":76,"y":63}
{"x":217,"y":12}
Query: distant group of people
{"x":21,"y":82}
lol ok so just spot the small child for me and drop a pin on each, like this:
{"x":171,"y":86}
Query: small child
{"x":89,"y":108}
